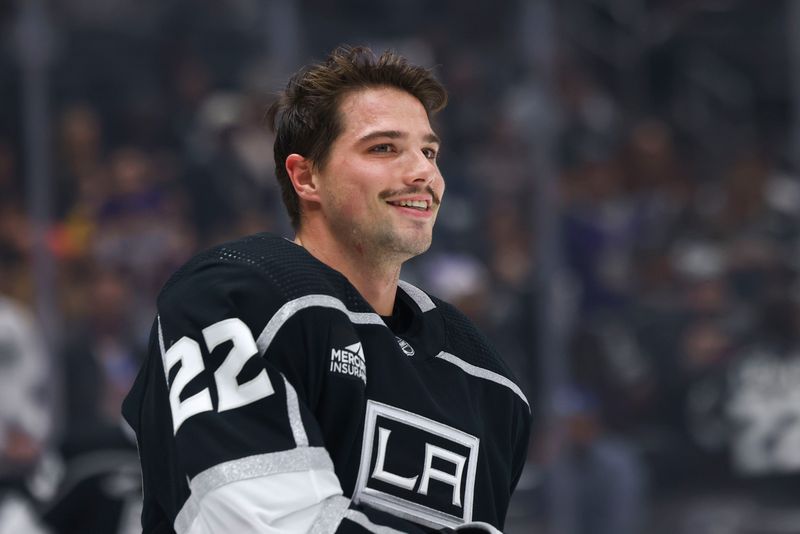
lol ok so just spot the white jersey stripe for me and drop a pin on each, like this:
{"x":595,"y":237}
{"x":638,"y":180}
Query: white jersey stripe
{"x":290,"y":308}
{"x":303,"y":459}
{"x":420,"y":297}
{"x":486,"y":374}
{"x":295,"y":420}
{"x":333,"y":510}
{"x":359,"y":518}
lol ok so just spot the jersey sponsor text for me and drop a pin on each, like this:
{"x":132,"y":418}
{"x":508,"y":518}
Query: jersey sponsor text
{"x":349,"y":361}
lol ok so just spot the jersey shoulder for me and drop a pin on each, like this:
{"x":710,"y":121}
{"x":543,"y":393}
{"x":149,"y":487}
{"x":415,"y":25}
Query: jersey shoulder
{"x":279,"y":269}
{"x":464,"y":339}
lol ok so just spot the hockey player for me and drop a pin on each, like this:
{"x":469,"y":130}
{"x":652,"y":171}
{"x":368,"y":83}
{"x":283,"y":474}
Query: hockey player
{"x":302,"y":386}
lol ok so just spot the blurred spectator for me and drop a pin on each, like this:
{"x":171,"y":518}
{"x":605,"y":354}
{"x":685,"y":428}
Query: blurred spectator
{"x":80,"y":153}
{"x":27,"y":420}
{"x":101,"y":357}
{"x":100,"y":490}
{"x":598,"y":478}
{"x":30,"y":381}
{"x":606,"y":358}
{"x":230,"y":179}
{"x":762,"y":400}
{"x":28,"y":387}
{"x":140,"y":223}
{"x":601,"y":228}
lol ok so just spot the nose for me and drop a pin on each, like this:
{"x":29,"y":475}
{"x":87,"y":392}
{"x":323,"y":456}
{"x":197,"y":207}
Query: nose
{"x":421,"y":170}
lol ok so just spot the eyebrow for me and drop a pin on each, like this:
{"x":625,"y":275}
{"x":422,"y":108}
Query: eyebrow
{"x":396,"y":134}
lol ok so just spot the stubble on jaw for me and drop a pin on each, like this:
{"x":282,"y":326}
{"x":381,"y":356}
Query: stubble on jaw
{"x":382,"y":244}
{"x":378,"y":241}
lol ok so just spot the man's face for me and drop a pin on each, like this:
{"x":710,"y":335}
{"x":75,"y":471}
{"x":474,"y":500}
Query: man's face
{"x":380,"y":187}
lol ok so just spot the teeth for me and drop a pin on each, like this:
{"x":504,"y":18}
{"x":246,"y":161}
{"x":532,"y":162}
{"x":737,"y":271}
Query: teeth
{"x":420,"y":204}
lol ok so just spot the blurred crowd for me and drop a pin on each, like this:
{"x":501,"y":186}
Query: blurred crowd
{"x":677,"y":227}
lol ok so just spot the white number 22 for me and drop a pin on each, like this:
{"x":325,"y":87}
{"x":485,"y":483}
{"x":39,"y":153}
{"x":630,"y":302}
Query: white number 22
{"x":231,"y":393}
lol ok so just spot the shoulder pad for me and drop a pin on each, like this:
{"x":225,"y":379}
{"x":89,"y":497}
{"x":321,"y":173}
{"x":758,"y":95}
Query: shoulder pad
{"x":465,"y":340}
{"x":292,"y":271}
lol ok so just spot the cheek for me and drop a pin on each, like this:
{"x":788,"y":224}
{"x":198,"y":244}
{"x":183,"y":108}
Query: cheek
{"x":350,"y":209}
{"x":355,"y":189}
{"x":350,"y":201}
{"x":361,"y":195}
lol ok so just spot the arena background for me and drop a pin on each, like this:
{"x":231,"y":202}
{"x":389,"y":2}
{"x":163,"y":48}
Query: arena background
{"x":621,"y":219}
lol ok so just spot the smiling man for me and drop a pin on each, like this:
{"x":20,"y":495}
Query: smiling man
{"x":371,"y":204}
{"x":302,"y":386}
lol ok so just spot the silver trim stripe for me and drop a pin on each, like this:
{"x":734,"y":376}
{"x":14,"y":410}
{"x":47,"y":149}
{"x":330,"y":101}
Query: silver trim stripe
{"x":326,"y":301}
{"x":411,"y":511}
{"x":480,"y":372}
{"x":360,"y":519}
{"x":332,"y":513}
{"x":480,"y":525}
{"x":307,"y":458}
{"x":323,"y":301}
{"x":295,"y":420}
{"x":423,"y":300}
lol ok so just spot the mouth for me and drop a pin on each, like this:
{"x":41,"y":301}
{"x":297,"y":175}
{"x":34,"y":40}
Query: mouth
{"x":422,"y":205}
{"x":413,"y":202}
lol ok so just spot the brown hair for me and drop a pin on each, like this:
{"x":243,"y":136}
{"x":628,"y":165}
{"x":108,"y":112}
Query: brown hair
{"x":306,"y":118}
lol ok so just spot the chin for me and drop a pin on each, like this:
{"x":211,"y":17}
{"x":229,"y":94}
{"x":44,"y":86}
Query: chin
{"x":404,"y":247}
{"x":416,"y":246}
{"x":400,"y":243}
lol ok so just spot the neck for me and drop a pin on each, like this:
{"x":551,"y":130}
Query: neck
{"x":374,"y":278}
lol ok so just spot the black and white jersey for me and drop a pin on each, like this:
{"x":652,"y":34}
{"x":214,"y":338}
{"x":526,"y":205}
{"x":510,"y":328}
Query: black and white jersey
{"x":274,"y":396}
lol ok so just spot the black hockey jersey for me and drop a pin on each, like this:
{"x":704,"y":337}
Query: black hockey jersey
{"x":264,"y":360}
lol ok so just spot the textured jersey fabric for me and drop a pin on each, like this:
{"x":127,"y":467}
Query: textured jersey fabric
{"x":265,"y":361}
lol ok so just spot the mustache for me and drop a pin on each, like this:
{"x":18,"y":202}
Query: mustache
{"x":411,"y":190}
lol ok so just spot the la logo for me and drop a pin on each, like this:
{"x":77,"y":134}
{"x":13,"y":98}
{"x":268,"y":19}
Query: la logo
{"x":417,"y":468}
{"x":428,"y":471}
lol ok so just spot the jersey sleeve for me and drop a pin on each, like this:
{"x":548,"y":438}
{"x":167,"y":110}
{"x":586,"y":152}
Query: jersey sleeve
{"x":227,"y":435}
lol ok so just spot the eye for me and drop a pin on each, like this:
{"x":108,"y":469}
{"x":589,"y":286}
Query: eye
{"x":430,"y":153}
{"x":383,"y":148}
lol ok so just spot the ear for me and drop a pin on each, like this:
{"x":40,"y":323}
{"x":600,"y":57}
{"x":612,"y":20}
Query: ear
{"x":300,"y":171}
